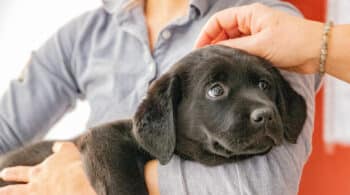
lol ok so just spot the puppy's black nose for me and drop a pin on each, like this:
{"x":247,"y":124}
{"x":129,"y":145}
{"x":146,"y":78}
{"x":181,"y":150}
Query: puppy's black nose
{"x":260,"y":116}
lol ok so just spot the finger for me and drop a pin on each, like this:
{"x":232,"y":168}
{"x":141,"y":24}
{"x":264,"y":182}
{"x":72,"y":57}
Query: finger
{"x":18,"y":173}
{"x":233,"y":21}
{"x":151,"y":177}
{"x":19,"y":189}
{"x":252,"y":44}
{"x":222,"y":36}
{"x":63,"y":147}
{"x":63,"y":152}
{"x":212,"y":29}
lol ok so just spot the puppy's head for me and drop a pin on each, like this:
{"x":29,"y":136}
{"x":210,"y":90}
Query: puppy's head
{"x":218,"y":104}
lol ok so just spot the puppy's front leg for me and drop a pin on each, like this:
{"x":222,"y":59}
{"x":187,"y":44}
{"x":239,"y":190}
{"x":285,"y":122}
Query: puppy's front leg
{"x":113,"y":161}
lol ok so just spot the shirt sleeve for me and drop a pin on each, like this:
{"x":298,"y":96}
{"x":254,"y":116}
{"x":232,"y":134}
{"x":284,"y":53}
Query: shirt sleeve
{"x":277,"y":172}
{"x":45,"y":91}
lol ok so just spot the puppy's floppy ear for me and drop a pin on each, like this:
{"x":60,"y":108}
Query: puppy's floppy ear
{"x":154,"y":121}
{"x":292,"y":108}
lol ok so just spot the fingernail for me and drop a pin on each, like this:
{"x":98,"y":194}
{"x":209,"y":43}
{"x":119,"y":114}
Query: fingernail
{"x":2,"y":173}
{"x":57,"y":146}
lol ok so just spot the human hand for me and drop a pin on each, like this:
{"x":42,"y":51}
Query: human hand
{"x":287,"y":41}
{"x":61,"y":173}
{"x":151,"y":177}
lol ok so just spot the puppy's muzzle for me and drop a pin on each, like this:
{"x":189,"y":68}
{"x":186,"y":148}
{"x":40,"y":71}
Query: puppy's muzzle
{"x":264,"y":118}
{"x":261,"y":116}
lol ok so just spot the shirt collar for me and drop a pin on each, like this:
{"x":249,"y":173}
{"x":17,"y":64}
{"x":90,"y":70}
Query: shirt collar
{"x":116,"y":6}
{"x":201,"y":5}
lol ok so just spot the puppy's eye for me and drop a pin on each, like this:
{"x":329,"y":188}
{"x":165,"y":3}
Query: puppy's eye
{"x":263,"y":85}
{"x":216,"y":91}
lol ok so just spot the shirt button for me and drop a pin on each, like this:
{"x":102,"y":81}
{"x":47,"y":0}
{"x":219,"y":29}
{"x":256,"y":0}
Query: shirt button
{"x":166,"y":34}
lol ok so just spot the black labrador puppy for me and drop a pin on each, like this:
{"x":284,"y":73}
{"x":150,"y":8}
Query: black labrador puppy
{"x":216,"y":105}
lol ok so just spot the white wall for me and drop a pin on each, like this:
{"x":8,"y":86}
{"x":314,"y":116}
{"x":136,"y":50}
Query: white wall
{"x":24,"y":26}
{"x":337,"y":93}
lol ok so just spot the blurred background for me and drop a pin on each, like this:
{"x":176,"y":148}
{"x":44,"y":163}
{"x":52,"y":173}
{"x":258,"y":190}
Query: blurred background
{"x":25,"y":25}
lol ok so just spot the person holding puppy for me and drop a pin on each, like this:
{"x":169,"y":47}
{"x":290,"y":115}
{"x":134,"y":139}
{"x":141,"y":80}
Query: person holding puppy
{"x":108,"y":57}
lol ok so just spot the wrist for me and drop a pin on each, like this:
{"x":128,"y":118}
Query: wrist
{"x":313,"y":44}
{"x":338,"y":61}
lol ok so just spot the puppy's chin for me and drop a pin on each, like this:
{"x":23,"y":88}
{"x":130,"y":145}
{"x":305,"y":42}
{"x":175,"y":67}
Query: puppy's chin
{"x":261,"y":146}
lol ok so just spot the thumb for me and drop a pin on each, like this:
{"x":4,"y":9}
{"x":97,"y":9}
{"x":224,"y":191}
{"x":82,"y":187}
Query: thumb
{"x":63,"y":152}
{"x":63,"y":147}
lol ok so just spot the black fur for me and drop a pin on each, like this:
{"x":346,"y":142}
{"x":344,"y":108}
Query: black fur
{"x":257,"y":110}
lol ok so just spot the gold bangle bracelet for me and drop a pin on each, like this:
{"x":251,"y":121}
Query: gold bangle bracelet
{"x":324,"y":46}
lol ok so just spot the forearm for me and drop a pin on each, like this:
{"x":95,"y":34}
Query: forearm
{"x":338,"y":60}
{"x":46,"y":90}
{"x":8,"y":139}
{"x":31,"y":106}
